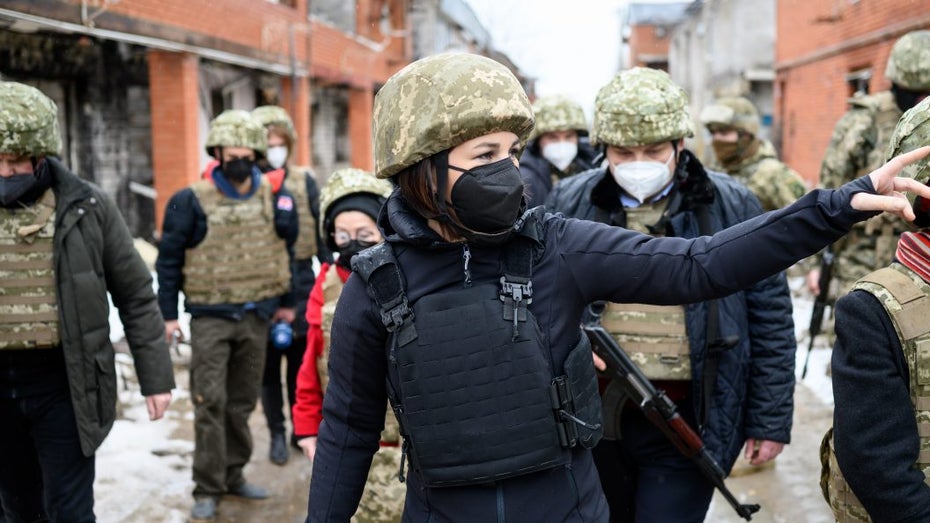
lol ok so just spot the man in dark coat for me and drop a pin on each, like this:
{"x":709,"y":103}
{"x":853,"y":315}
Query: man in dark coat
{"x":727,"y":363}
{"x":63,"y":246}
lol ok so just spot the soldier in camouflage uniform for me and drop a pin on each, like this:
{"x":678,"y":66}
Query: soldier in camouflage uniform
{"x":877,"y":457}
{"x":349,"y":203}
{"x":557,"y":148}
{"x":300,"y":182}
{"x":737,"y":392}
{"x":226,"y":243}
{"x":738,"y":151}
{"x":858,"y":145}
{"x":63,"y":246}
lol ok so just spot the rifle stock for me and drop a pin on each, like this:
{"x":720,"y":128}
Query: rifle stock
{"x":820,"y":303}
{"x":662,"y":412}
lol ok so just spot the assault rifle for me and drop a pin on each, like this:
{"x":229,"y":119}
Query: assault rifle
{"x":820,"y":303}
{"x":662,"y":412}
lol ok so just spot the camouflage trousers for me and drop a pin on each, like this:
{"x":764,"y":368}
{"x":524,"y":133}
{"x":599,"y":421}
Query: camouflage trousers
{"x":384,"y":496}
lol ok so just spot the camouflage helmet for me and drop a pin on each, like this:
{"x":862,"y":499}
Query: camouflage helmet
{"x":558,"y":113}
{"x":909,"y":62}
{"x":236,"y":128}
{"x":28,"y":121}
{"x":275,"y":115}
{"x":346,"y":182}
{"x":913,"y":132}
{"x":640,"y":106}
{"x":734,"y":112}
{"x":441,"y":101}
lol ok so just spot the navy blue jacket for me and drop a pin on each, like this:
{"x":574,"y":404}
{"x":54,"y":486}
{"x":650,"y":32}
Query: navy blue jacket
{"x":184,"y":227}
{"x":754,"y":392}
{"x":580,"y":262}
{"x":875,"y":432}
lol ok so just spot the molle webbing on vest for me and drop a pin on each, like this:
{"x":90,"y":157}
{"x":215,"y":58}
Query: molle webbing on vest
{"x":241,"y":258}
{"x":28,"y":296}
{"x":655,"y":337}
{"x":305,"y":246}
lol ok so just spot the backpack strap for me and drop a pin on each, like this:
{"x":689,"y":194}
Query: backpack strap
{"x":379,"y":269}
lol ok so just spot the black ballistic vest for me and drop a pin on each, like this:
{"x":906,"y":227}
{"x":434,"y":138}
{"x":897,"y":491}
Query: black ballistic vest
{"x":471,"y":381}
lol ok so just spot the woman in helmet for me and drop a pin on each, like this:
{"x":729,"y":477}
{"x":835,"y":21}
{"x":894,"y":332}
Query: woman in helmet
{"x":467,"y":317}
{"x":349,"y":203}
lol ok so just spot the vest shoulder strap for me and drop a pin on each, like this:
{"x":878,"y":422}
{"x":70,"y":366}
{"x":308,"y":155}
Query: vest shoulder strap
{"x":378,"y":268}
{"x":911,"y":318}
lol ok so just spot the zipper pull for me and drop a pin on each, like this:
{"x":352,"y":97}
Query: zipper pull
{"x":466,"y":256}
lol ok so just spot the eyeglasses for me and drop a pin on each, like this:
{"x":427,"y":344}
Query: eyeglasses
{"x":343,"y":237}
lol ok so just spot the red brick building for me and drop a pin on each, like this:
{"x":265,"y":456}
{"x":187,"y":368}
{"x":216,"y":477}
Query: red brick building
{"x":826,"y":50}
{"x":647,"y":32}
{"x":137,"y":80}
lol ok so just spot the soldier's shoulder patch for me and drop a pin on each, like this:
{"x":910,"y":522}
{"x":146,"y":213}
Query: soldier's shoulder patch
{"x":285,"y":203}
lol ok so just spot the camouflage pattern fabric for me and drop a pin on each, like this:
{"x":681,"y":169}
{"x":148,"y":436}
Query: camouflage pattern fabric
{"x":277,"y":116}
{"x":305,"y":246}
{"x":775,"y":184}
{"x":906,"y":299}
{"x":736,"y":112}
{"x":236,"y":128}
{"x":860,"y":140}
{"x":441,"y":101}
{"x":384,"y":495}
{"x":344,"y":182}
{"x":29,"y":294}
{"x":909,"y":61}
{"x":912,"y":132}
{"x":558,"y":113}
{"x":241,"y":258}
{"x":28,"y":121}
{"x":655,"y":336}
{"x":640,"y":106}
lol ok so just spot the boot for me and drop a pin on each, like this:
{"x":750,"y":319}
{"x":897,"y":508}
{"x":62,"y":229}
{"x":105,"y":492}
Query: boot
{"x":278,"y":453}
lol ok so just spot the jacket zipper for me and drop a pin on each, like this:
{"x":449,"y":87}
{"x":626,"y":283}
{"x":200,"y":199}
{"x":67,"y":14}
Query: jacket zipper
{"x":466,"y":257}
{"x":501,"y":517}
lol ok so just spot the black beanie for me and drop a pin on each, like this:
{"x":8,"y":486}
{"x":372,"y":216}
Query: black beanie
{"x":368,"y":203}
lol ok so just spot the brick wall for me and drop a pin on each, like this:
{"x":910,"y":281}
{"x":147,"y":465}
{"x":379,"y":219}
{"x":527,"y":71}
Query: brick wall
{"x":648,"y":41}
{"x":818,"y":43}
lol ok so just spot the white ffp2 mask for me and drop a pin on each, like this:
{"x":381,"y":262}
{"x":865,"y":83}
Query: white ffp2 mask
{"x":560,"y":154}
{"x":643,"y":179}
{"x":277,"y":155}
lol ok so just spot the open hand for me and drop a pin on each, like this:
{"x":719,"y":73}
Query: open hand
{"x":891,"y":187}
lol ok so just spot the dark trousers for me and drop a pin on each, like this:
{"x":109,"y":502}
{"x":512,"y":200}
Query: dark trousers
{"x":272,"y":397}
{"x":44,"y":476}
{"x":227,"y":360}
{"x":646,"y":479}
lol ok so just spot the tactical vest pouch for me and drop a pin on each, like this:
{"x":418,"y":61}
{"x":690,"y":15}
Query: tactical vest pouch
{"x":576,"y":401}
{"x":845,"y":505}
{"x":475,"y":403}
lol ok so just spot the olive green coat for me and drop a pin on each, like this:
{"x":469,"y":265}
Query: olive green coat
{"x":94,"y":253}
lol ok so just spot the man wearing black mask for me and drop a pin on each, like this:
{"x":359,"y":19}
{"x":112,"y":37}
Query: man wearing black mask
{"x":860,"y":140}
{"x":227,"y":242}
{"x":63,"y":247}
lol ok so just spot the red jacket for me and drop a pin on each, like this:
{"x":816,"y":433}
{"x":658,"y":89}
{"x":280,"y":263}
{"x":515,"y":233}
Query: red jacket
{"x":307,"y":412}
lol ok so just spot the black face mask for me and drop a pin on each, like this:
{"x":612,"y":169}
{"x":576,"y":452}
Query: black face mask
{"x":349,"y":250}
{"x":487,"y":199}
{"x":13,"y":187}
{"x":906,"y":99}
{"x":238,"y":170}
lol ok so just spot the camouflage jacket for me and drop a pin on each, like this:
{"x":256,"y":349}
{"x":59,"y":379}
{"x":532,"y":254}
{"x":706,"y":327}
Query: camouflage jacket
{"x":774,"y":183}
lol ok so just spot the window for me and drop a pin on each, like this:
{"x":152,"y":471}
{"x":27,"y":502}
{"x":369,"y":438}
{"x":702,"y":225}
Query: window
{"x":857,"y":80}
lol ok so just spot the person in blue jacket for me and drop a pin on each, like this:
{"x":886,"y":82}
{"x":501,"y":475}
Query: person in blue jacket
{"x":467,"y":319}
{"x":727,"y":363}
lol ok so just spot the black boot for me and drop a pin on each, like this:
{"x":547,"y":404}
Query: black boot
{"x":278,"y":452}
